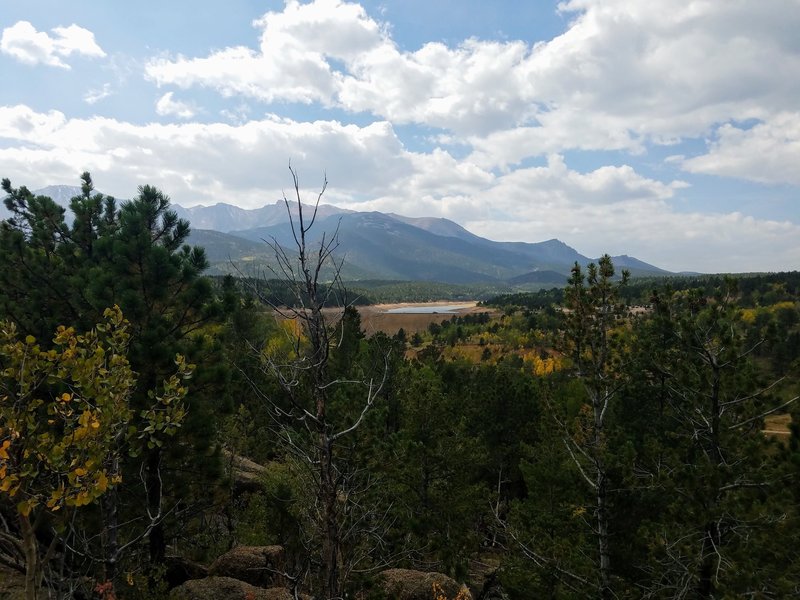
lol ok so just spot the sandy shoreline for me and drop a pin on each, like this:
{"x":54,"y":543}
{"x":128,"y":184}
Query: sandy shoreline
{"x":465,"y":306}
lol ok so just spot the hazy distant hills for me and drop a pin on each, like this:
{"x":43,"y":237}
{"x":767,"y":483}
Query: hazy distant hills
{"x":386,"y":246}
{"x":226,"y":217}
{"x":377,"y":245}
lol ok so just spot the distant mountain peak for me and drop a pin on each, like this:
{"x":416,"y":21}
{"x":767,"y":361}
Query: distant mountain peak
{"x":383,"y":245}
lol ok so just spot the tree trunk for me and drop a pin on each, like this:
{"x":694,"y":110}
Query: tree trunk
{"x":112,"y":533}
{"x":157,"y":541}
{"x":602,"y":537}
{"x":32,"y":566}
{"x":705,"y":584}
{"x":712,"y":539}
{"x":601,"y":486}
{"x":331,"y":540}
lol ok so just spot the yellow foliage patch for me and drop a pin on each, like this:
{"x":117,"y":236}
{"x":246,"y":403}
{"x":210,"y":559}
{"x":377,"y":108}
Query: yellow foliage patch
{"x":439,"y":594}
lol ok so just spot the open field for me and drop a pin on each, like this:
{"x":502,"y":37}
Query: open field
{"x":374,"y":318}
{"x":777,"y":426}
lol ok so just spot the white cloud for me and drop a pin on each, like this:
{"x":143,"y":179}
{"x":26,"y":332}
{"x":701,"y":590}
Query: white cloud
{"x":166,"y":106}
{"x":94,"y":96}
{"x":291,"y":63}
{"x":768,"y":152}
{"x":197,"y":162}
{"x":22,"y":124}
{"x":26,"y":44}
{"x":623,"y":74}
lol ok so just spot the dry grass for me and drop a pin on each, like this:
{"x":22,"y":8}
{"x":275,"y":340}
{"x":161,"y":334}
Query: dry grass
{"x":777,"y":426}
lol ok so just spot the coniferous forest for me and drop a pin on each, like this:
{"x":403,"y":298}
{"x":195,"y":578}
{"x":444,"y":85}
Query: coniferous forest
{"x":164,"y":434}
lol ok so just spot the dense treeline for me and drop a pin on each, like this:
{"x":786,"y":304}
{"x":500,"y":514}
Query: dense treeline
{"x":276,"y":291}
{"x":753,"y":290}
{"x":566,"y":446}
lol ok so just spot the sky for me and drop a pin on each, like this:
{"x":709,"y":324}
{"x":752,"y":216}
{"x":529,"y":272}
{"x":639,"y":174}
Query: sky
{"x":668,"y":130}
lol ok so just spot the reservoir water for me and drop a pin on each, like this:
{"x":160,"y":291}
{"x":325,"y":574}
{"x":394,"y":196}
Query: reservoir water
{"x":427,"y":309}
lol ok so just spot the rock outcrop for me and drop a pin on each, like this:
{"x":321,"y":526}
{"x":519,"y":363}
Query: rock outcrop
{"x":223,"y":588}
{"x":245,"y":473}
{"x":260,"y":566}
{"x":406,"y":584}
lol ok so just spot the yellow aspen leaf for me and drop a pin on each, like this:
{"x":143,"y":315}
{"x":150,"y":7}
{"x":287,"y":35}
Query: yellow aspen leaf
{"x":80,"y":472}
{"x":30,"y":340}
{"x":95,"y":424}
{"x":24,"y":508}
{"x":65,"y":397}
{"x":102,"y":482}
{"x":55,"y":497}
{"x":4,"y":449}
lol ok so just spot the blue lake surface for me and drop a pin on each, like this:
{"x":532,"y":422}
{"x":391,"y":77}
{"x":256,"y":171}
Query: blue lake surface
{"x":428,"y":309}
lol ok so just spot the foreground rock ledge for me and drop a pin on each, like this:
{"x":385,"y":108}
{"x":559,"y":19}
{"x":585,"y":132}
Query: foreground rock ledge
{"x":407,"y":584}
{"x":223,"y":588}
{"x":257,"y":565}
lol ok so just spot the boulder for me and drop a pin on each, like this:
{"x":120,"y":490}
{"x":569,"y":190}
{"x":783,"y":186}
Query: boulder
{"x":261,"y":566}
{"x":245,"y":473}
{"x":225,"y":588}
{"x":406,"y":584}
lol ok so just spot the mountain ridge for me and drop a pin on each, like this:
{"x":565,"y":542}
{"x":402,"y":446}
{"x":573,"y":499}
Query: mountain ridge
{"x":376,"y":245}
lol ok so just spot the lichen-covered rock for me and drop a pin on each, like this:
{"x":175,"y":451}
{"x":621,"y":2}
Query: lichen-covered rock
{"x":227,"y":588}
{"x":257,"y":565}
{"x":406,"y":584}
{"x":245,"y":474}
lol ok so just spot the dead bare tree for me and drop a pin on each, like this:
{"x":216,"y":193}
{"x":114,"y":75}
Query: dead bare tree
{"x":305,"y":424}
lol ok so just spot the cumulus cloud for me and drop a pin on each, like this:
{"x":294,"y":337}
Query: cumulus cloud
{"x":26,"y":44}
{"x":622,"y":73}
{"x":166,"y":106}
{"x":201,"y":163}
{"x":291,"y":63}
{"x":768,"y":152}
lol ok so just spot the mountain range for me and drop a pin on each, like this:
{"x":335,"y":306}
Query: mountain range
{"x":376,"y":245}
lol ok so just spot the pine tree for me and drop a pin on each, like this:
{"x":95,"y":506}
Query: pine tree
{"x":136,"y":257}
